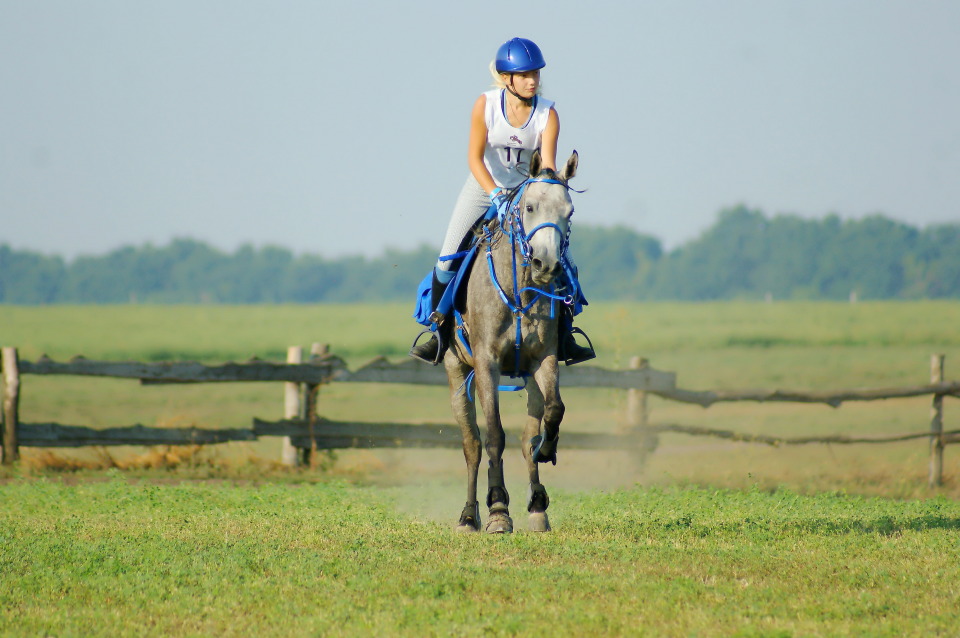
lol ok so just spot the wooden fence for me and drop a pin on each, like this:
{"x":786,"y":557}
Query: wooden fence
{"x":304,"y":431}
{"x":302,"y":428}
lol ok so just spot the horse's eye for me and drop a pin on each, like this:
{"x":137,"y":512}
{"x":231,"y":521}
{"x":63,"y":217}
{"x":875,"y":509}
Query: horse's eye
{"x":529,"y":208}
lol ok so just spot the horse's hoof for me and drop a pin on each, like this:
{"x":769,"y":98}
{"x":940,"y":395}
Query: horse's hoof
{"x":500,"y":524}
{"x":469,"y":518}
{"x":542,"y":450}
{"x":499,"y":521}
{"x":539,"y":522}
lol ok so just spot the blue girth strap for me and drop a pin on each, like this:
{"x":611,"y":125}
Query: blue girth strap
{"x":468,"y":384}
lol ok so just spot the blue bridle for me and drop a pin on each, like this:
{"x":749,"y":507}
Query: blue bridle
{"x":515,"y":222}
{"x":511,"y":225}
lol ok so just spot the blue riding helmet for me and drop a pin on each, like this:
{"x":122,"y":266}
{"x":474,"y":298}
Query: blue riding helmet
{"x":519,"y":55}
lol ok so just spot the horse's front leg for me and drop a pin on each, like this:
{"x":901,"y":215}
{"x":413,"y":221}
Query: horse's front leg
{"x":487,"y":379}
{"x":465,"y":413}
{"x":547,"y":376}
{"x":543,"y":406}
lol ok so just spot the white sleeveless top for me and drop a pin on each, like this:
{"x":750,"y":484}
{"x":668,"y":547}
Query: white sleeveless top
{"x":508,"y":149}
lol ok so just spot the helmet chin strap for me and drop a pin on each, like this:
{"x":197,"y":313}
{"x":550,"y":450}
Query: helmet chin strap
{"x":527,"y":101}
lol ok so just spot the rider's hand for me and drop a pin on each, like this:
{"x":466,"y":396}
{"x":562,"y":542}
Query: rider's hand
{"x":499,"y":199}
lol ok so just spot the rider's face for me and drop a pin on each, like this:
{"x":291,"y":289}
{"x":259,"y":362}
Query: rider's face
{"x":525,"y":84}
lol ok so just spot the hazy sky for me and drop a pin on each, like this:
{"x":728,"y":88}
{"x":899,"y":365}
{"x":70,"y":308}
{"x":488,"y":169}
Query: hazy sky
{"x":341,"y":127}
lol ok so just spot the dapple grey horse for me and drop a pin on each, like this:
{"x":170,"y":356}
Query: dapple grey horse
{"x":511,"y":323}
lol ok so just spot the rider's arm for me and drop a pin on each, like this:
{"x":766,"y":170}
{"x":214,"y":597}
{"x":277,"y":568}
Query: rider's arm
{"x":548,"y":140}
{"x":477,"y":144}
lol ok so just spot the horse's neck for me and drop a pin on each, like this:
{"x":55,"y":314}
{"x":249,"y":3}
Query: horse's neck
{"x":488,"y":317}
{"x":509,"y":262}
{"x":502,"y":256}
{"x":508,"y":259}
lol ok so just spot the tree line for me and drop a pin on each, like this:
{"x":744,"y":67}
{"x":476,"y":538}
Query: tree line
{"x":745,"y":254}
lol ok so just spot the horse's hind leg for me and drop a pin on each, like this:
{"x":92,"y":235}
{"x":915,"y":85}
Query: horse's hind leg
{"x":466,"y":414}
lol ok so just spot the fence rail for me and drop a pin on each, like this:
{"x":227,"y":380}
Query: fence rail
{"x":833,"y":399}
{"x":952,"y":436}
{"x":327,"y":369}
{"x":303,"y":430}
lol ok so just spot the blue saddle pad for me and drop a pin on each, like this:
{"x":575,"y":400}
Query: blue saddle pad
{"x":423,"y":308}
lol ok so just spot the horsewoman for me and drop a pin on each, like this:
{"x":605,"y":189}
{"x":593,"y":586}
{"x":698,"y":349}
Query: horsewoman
{"x":507,"y":125}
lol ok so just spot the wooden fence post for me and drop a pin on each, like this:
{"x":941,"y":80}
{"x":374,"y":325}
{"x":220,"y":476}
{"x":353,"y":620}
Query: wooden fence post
{"x":11,"y":404}
{"x":308,"y":411}
{"x":637,"y":399}
{"x":638,"y":417}
{"x":291,"y":407}
{"x":936,"y":423}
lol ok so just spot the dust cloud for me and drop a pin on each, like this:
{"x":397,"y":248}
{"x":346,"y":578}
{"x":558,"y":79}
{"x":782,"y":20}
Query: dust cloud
{"x":430,"y":484}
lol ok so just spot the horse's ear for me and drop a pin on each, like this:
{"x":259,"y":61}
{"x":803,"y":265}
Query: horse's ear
{"x":571,"y":168}
{"x":535,"y":163}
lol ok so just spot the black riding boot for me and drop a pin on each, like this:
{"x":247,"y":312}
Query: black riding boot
{"x":568,"y":350}
{"x":432,"y":351}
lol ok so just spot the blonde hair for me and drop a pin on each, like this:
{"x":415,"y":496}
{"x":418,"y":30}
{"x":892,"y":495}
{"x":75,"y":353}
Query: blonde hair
{"x":498,"y":82}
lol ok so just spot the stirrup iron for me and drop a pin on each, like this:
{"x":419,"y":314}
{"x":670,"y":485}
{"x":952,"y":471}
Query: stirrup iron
{"x":590,"y":353}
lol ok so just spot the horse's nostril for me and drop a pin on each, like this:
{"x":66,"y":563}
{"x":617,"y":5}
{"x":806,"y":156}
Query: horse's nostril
{"x":538,"y":265}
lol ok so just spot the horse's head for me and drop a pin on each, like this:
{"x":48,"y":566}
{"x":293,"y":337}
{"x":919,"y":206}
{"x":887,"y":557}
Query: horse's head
{"x":545,"y":211}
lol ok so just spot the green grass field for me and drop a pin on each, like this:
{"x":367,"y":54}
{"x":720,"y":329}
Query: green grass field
{"x":706,"y":538}
{"x":119,"y":558}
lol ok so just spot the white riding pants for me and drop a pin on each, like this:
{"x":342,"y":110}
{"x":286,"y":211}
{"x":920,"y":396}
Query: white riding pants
{"x":471,"y":205}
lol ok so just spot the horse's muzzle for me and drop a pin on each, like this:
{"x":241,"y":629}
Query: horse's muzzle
{"x":544,"y":273}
